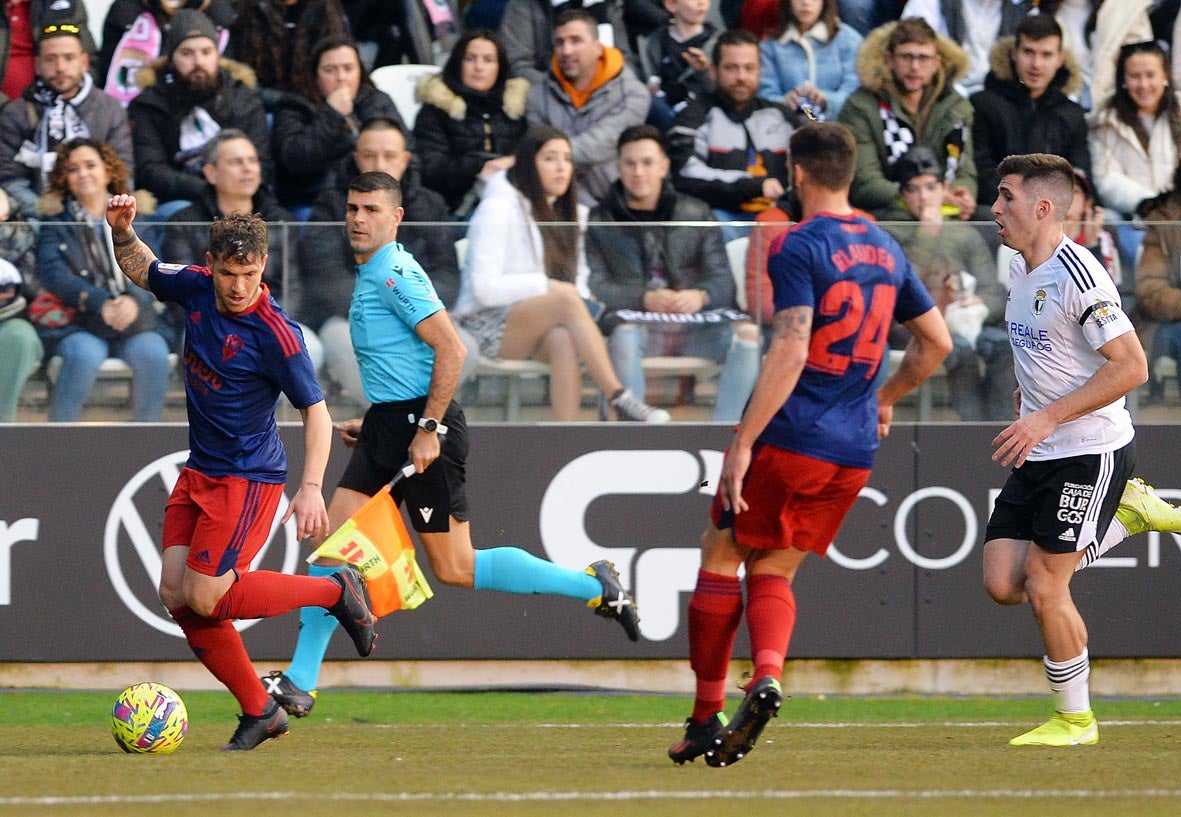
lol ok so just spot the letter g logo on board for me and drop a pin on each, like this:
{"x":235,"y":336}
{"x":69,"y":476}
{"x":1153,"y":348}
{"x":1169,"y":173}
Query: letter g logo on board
{"x":131,"y":542}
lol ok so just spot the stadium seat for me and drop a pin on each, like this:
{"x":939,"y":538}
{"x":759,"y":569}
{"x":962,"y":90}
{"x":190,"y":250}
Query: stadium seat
{"x":113,"y":370}
{"x":736,"y":255}
{"x":514,"y":373}
{"x":400,"y":82}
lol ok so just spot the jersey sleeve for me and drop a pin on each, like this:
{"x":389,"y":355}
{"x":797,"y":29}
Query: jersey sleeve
{"x":296,"y":373}
{"x":409,"y":293}
{"x":913,"y":299}
{"x":790,"y":272}
{"x":1097,"y":310}
{"x":174,"y":282}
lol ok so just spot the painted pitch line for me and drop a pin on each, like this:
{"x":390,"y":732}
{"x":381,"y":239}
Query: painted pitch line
{"x":576,"y":796}
{"x":782,"y":722}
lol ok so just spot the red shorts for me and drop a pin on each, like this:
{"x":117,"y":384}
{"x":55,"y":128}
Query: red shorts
{"x":794,"y":501}
{"x":224,"y":521}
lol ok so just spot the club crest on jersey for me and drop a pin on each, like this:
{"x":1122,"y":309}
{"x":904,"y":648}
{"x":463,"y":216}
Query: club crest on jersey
{"x":231,"y":347}
{"x":1039,"y":301}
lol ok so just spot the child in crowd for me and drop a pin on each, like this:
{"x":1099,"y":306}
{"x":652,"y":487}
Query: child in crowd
{"x":675,"y":61}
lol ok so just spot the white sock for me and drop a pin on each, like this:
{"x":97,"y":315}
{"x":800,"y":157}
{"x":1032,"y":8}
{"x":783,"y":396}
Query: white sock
{"x":1116,"y":533}
{"x":1069,"y":683}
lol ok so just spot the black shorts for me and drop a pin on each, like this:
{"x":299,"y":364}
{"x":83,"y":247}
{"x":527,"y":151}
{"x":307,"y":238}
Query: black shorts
{"x":433,"y":496}
{"x":1063,"y":505}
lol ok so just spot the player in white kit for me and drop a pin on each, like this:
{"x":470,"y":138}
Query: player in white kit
{"x":1076,"y":356}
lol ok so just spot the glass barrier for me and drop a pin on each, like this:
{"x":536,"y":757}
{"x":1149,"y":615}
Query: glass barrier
{"x":694,"y":355}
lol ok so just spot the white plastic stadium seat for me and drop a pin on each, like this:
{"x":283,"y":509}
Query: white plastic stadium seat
{"x":736,"y":254}
{"x":112,"y":370}
{"x":400,"y":82}
{"x":513,"y":372}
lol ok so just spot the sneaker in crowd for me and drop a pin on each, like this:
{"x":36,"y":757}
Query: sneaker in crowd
{"x":294,"y":700}
{"x":1140,"y":509}
{"x":1064,"y":729}
{"x":629,"y":407}
{"x":615,"y":602}
{"x":698,"y":737}
{"x":254,"y":729}
{"x":762,"y":702}
{"x":352,"y":610}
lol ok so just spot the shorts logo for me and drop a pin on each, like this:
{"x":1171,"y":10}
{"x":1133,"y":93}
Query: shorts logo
{"x":1068,"y":536}
{"x":203,"y":557}
{"x":427,"y":513}
{"x":231,"y":347}
{"x":1072,"y":505}
{"x":1039,"y":301}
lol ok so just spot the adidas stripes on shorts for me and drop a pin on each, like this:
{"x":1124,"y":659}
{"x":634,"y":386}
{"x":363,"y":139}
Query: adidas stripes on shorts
{"x":1062,"y":505}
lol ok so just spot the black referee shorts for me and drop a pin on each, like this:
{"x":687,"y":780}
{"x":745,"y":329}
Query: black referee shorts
{"x":433,"y":496}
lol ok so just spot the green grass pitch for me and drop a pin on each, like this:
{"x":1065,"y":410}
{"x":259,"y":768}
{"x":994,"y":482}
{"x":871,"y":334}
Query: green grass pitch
{"x":516,"y":753}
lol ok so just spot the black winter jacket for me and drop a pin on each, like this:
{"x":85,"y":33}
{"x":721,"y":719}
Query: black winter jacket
{"x":621,"y":258}
{"x":311,"y":144}
{"x":458,"y":129}
{"x":327,"y":266}
{"x":1008,"y":122}
{"x":156,"y":115}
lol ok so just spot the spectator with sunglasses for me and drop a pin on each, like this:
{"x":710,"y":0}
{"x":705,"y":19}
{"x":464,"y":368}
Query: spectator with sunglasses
{"x":62,"y":103}
{"x":20,"y":28}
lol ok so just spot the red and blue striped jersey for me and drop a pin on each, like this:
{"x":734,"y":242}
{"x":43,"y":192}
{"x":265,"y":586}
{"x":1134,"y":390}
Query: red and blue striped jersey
{"x":235,"y":368}
{"x":856,"y":279}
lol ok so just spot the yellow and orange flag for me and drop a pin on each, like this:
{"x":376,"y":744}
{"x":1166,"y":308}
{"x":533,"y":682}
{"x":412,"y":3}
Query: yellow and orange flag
{"x":375,"y":541}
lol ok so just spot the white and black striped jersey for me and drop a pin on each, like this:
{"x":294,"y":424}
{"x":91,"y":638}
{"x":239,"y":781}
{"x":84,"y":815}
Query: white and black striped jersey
{"x":1058,"y":315}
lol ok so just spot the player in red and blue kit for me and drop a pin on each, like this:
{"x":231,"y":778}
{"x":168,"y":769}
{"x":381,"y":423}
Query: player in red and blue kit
{"x":806,"y":442}
{"x":241,"y":352}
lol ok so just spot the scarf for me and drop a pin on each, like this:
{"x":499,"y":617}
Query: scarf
{"x":60,"y":122}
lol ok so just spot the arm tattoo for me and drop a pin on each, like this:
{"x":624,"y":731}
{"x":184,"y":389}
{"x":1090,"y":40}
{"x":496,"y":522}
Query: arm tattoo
{"x":133,"y":257}
{"x":794,"y":323}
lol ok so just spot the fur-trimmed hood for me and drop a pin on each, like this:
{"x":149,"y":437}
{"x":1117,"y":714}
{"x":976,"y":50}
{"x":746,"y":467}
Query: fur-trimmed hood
{"x":433,"y":90}
{"x":148,"y":75}
{"x":1068,"y":80}
{"x":876,"y":76}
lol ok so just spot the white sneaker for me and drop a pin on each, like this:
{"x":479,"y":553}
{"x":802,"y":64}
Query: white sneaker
{"x":629,"y":407}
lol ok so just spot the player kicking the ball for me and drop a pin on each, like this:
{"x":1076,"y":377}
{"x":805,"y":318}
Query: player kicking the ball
{"x":241,"y":352}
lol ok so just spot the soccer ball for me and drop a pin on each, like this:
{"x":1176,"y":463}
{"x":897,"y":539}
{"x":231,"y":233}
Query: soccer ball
{"x":149,"y":718}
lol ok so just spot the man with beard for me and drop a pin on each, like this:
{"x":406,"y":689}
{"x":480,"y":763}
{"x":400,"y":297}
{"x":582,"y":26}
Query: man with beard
{"x":729,"y":148}
{"x":189,"y":96}
{"x":61,"y":103}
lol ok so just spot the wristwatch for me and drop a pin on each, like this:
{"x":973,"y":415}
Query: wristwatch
{"x":431,"y":426}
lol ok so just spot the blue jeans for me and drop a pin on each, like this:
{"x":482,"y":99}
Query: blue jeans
{"x":82,"y":353}
{"x":630,"y":342}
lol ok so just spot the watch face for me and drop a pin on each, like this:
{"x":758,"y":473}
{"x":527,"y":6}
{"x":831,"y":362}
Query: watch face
{"x":429,"y":424}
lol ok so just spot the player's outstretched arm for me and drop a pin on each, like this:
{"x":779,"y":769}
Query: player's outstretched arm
{"x":133,"y":256}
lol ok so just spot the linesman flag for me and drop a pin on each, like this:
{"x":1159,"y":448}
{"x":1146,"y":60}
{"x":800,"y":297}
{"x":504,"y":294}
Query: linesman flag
{"x":375,"y":541}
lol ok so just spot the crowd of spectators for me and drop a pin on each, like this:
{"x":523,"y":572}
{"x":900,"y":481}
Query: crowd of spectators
{"x":672,"y":110}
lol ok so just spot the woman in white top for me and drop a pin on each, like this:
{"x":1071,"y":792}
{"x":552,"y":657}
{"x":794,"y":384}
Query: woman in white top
{"x":1134,"y":139}
{"x":524,"y":290}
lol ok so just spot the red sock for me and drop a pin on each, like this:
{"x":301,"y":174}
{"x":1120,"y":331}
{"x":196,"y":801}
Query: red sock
{"x":770,"y":618}
{"x":219,"y":647}
{"x":264,"y":593}
{"x":714,"y":613}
